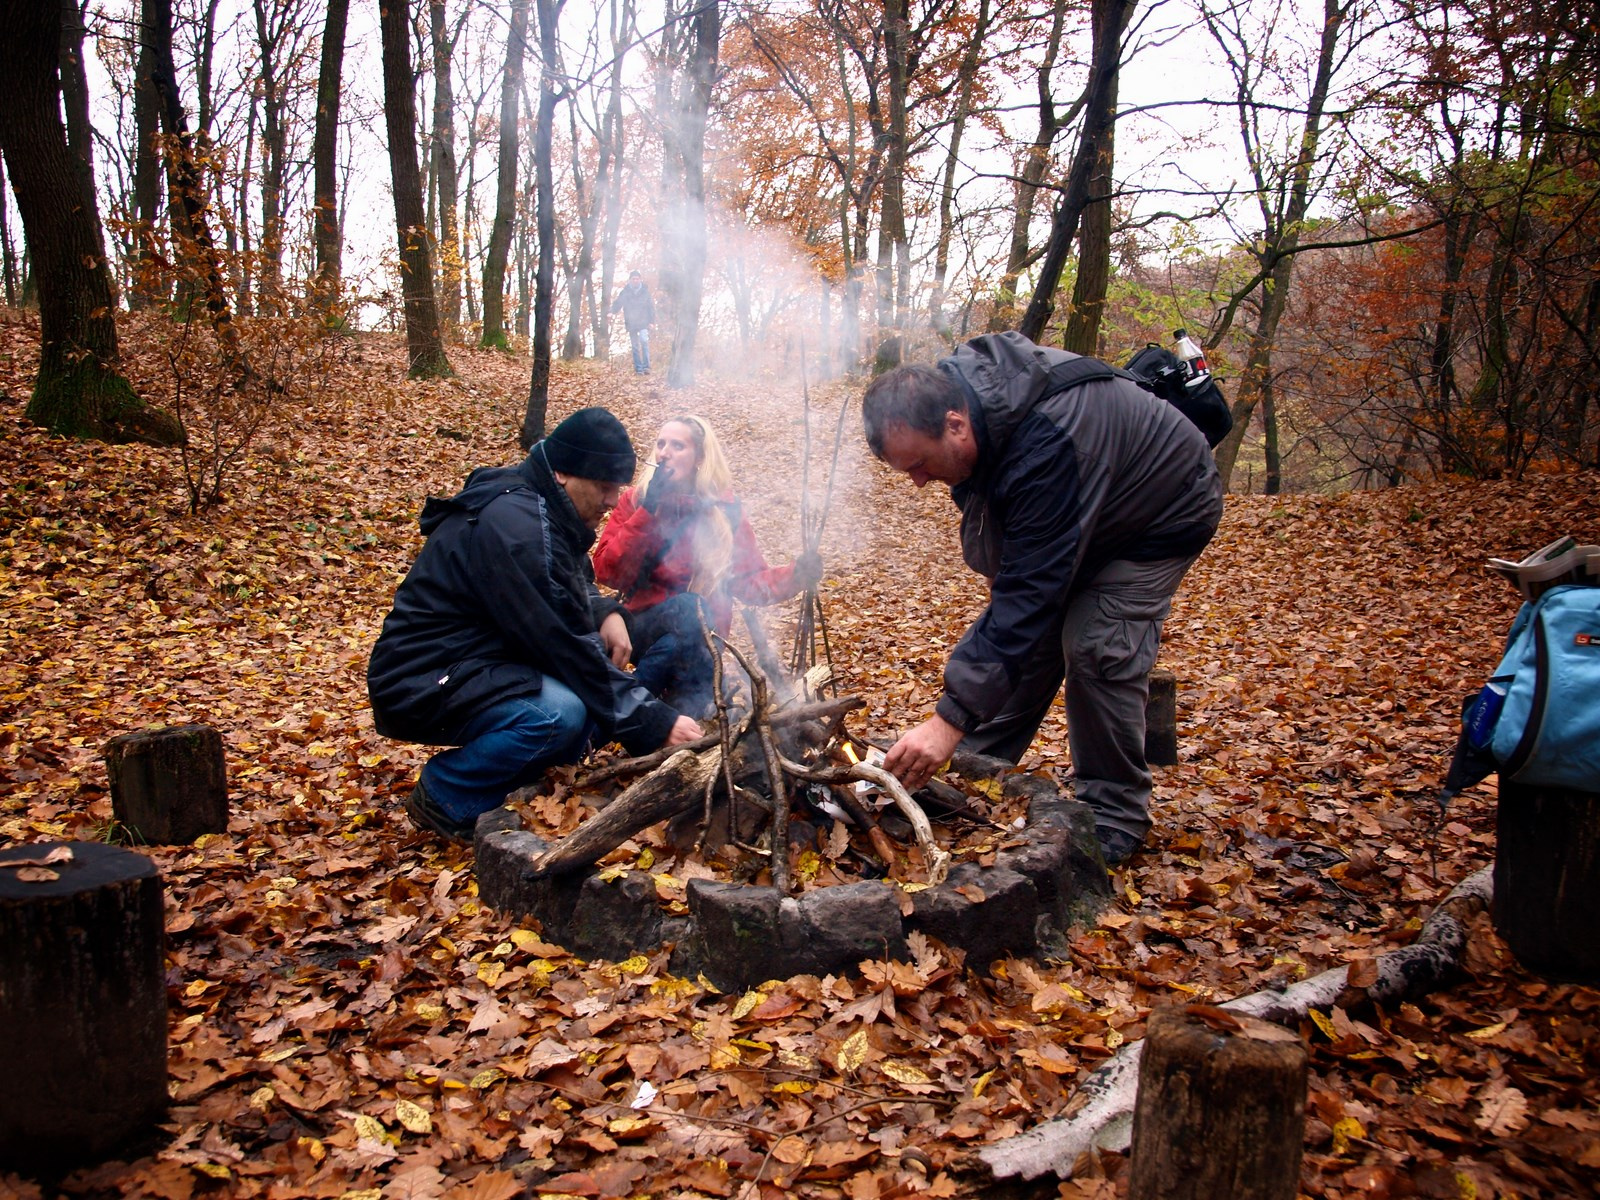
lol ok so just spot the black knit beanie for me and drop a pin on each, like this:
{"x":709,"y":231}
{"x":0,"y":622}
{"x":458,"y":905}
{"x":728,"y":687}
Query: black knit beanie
{"x":591,"y":444}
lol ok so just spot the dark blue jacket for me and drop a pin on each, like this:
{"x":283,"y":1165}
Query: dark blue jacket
{"x":502,"y":595}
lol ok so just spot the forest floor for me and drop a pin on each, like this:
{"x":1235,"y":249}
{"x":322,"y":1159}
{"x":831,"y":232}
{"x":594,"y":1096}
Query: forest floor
{"x":347,"y":1020}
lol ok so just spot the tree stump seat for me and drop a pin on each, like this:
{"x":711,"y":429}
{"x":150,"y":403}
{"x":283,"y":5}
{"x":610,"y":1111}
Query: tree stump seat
{"x":83,"y":1003}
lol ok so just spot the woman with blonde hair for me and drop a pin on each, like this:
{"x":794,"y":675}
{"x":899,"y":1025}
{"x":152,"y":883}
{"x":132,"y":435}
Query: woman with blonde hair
{"x":679,"y":544}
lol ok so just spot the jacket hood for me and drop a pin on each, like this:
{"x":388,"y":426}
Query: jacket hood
{"x":1009,"y":372}
{"x":488,"y":483}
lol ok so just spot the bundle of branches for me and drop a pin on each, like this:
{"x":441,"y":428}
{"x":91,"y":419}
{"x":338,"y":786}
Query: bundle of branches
{"x":812,"y":623}
{"x":744,"y":777}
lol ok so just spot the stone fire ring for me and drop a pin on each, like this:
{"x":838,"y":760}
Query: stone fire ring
{"x":1050,"y":877}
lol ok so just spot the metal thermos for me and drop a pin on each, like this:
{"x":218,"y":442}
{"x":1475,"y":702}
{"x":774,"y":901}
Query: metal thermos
{"x":1195,"y":371}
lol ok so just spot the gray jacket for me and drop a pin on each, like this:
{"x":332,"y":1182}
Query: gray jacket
{"x":1067,"y":480}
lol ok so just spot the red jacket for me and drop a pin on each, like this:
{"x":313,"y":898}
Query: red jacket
{"x":635,"y":536}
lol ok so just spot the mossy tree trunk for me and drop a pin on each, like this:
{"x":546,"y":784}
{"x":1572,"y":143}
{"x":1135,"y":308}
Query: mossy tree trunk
{"x":79,"y":390}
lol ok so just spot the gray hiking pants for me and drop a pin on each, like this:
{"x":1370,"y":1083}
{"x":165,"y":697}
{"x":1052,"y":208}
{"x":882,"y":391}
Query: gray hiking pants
{"x":1110,"y":633}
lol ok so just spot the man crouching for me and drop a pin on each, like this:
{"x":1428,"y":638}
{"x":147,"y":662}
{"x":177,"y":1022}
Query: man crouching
{"x":500,"y":645}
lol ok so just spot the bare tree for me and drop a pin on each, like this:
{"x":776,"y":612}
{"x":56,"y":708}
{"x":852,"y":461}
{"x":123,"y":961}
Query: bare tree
{"x":494,"y":264}
{"x":327,"y":229}
{"x":533,"y":418}
{"x":426,"y":349}
{"x":79,"y":389}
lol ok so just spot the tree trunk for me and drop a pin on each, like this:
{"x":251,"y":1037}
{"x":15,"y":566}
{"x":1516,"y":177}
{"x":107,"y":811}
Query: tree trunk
{"x":533,"y":417}
{"x":1099,"y":114}
{"x":494,"y":264}
{"x":892,"y":248}
{"x":1082,"y":334}
{"x":78,"y":390}
{"x":424,"y":346}
{"x":8,"y":254}
{"x":1034,"y":165}
{"x":146,"y":173}
{"x":1547,"y":880}
{"x":445,"y":170}
{"x":966,"y":77}
{"x":275,"y":147}
{"x":1220,"y":1109}
{"x":693,"y":103}
{"x":83,"y":999}
{"x":326,"y":228}
{"x":80,"y":133}
{"x":588,"y":201}
{"x":188,"y":184}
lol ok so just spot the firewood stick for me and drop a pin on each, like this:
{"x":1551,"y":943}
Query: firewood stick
{"x":796,"y":714}
{"x":938,"y":860}
{"x":760,"y":716}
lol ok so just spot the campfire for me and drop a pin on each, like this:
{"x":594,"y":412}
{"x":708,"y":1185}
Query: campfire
{"x":782,"y":830}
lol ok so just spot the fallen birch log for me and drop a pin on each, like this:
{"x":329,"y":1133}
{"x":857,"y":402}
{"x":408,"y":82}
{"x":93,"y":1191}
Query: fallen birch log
{"x":938,"y":860}
{"x":1100,"y":1115}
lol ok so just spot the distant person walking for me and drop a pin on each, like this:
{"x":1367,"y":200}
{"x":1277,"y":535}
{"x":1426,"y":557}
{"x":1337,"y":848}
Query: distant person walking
{"x":638,"y":314}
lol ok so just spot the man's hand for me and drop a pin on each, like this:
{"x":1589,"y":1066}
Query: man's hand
{"x":918,"y":755}
{"x":685,"y":729}
{"x":614,"y":637}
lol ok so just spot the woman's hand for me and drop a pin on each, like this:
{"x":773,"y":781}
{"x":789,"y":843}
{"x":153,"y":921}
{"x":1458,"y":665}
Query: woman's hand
{"x":808,"y":569}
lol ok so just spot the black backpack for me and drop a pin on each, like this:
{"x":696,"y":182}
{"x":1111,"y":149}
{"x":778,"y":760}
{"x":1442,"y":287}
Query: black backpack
{"x":1158,"y":370}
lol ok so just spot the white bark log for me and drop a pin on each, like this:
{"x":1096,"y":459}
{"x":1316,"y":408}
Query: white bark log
{"x":1100,"y":1114}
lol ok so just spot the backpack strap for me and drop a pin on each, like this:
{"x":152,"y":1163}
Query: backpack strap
{"x":1529,"y":741}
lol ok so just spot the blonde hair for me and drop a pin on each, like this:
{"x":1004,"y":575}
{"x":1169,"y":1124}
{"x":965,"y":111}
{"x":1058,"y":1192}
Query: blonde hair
{"x":711,"y":539}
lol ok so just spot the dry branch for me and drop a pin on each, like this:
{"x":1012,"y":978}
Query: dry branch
{"x":938,"y":859}
{"x":1100,"y":1114}
{"x":827,"y":711}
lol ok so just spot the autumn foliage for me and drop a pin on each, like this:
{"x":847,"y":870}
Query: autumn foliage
{"x":348,"y":1020}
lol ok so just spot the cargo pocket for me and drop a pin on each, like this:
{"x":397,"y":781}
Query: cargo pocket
{"x":1119,"y":640}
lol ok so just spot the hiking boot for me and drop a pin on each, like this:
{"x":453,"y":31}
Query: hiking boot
{"x":427,"y":816}
{"x":1117,"y":847}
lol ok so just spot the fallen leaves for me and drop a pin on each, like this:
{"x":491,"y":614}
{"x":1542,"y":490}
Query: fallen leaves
{"x":349,"y":1021}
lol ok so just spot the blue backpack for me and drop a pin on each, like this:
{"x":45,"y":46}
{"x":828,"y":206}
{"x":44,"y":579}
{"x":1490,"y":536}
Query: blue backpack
{"x":1537,"y":720}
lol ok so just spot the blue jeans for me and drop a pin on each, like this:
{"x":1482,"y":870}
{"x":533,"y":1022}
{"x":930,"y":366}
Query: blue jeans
{"x":671,"y":660}
{"x":506,"y":746}
{"x":639,"y":339}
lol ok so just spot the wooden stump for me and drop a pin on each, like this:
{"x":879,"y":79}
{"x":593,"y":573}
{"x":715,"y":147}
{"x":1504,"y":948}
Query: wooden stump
{"x":1547,"y":880}
{"x":168,"y":786}
{"x":83,"y":1003}
{"x":1161,"y":720}
{"x":1220,"y":1112}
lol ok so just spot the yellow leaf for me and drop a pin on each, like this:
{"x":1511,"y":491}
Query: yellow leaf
{"x":490,"y":972}
{"x":793,"y":1087}
{"x":674,"y":988}
{"x":646,"y":860}
{"x":723,"y":1057}
{"x":1344,"y":1130}
{"x":314,"y":1148}
{"x":370,"y":1128}
{"x":1114,"y":1038}
{"x":854,"y":1051}
{"x":363,"y":1194}
{"x":261,"y":1099}
{"x":525,"y":939}
{"x":809,"y":863}
{"x":637,"y":965}
{"x":980,"y":1083}
{"x":1322,"y":1022}
{"x":279,"y":1053}
{"x":991,"y":788}
{"x":902,"y":1072}
{"x":413,"y":1116}
{"x":1488,"y":1031}
{"x":430,"y":1012}
{"x":623,"y":1126}
{"x":215,"y":1170}
{"x":486,"y":1078}
{"x":748,"y":1003}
